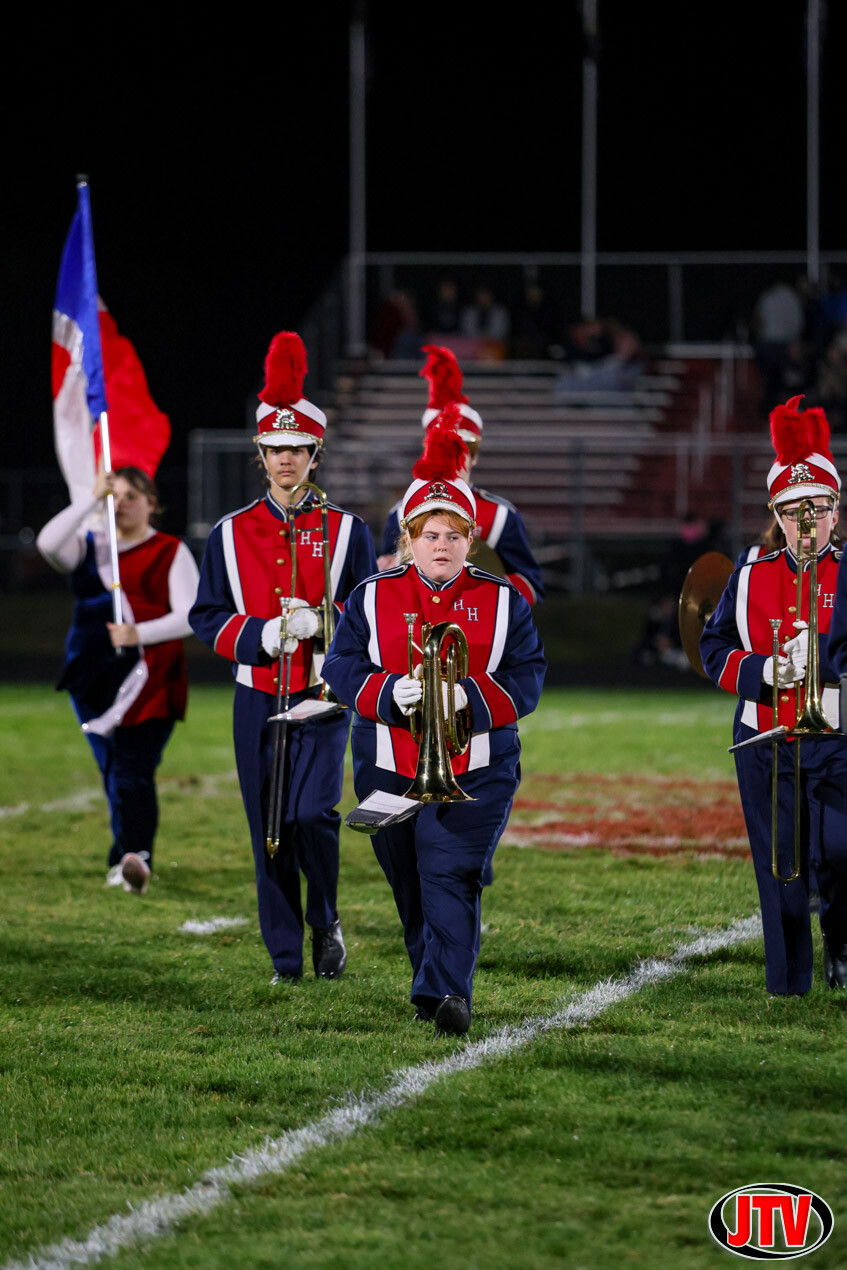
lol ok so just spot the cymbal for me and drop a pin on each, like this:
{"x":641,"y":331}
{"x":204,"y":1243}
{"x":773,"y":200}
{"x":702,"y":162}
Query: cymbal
{"x":703,"y":586}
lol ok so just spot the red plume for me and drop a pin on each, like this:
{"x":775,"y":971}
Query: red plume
{"x":285,"y":370}
{"x":818,"y":431}
{"x":791,"y":432}
{"x":444,"y":453}
{"x":445,"y":377}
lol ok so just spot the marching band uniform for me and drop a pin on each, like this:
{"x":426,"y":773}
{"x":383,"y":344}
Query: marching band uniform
{"x":435,"y":861}
{"x":498,"y":522}
{"x":737,"y":647}
{"x":246,"y":570}
{"x":127,"y":705}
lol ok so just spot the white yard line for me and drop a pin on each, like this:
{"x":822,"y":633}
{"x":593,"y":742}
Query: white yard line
{"x":210,"y":785}
{"x":155,"y":1218}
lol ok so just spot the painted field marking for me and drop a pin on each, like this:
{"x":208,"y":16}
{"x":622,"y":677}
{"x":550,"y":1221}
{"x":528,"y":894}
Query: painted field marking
{"x":155,"y":1218}
{"x":210,"y":927}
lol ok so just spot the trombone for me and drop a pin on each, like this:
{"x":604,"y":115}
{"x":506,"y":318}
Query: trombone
{"x":437,"y":727}
{"x":283,"y":677}
{"x":810,"y":721}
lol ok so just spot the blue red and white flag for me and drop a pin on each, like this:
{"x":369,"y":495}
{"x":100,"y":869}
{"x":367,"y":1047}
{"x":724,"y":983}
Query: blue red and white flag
{"x":94,"y":368}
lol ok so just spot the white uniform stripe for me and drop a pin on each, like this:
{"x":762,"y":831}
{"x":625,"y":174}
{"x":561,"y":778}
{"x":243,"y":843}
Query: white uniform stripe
{"x":339,"y":556}
{"x":370,"y":618}
{"x":231,"y":562}
{"x":749,"y":713}
{"x":741,"y":603}
{"x":831,"y":705}
{"x":501,"y":627}
{"x":497,"y":527}
{"x":384,"y":748}
{"x":480,"y":752}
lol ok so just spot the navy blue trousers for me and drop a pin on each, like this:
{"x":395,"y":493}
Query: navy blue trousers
{"x":785,"y":906}
{"x":128,"y":760}
{"x":435,"y":863}
{"x":314,"y":770}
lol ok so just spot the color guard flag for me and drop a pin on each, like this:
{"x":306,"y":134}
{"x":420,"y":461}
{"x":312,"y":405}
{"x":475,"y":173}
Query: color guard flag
{"x":94,"y":368}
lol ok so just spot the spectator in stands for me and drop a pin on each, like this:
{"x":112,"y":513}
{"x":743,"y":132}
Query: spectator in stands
{"x":778,"y":320}
{"x":832,"y":381}
{"x":797,"y":372}
{"x":397,"y":329}
{"x":535,"y":325}
{"x":602,"y":355}
{"x":832,"y":308}
{"x":442,"y":315}
{"x":485,"y":319}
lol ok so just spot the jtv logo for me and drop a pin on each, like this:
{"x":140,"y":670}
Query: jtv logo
{"x":771,"y":1221}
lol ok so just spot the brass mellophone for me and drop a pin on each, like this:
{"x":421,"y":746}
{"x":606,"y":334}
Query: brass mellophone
{"x":438,"y":728}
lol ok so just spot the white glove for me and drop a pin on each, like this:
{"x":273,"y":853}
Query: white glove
{"x":797,"y":649}
{"x":407,"y":692}
{"x":270,"y":636}
{"x":460,"y":697}
{"x":302,"y":623}
{"x":785,"y":672}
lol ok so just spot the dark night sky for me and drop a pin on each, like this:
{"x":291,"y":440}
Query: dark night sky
{"x":218,"y":162}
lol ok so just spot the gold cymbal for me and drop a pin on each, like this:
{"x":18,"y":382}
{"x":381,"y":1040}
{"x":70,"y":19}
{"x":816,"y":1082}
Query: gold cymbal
{"x":703,"y":586}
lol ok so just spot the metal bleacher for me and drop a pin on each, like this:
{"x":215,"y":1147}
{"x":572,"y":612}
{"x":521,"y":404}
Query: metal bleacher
{"x":543,"y":447}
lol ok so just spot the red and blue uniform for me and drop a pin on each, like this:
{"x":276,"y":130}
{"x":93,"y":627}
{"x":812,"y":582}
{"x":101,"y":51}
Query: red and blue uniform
{"x":435,"y":861}
{"x":127,"y":701}
{"x":246,"y":570}
{"x":500,"y":526}
{"x":736,"y":643}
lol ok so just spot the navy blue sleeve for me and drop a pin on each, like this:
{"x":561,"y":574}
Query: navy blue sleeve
{"x":360,"y":562}
{"x":391,"y":532}
{"x":349,"y":671}
{"x":512,"y":690}
{"x":725,"y":660}
{"x":836,"y":644}
{"x":522,"y":570}
{"x":214,"y":617}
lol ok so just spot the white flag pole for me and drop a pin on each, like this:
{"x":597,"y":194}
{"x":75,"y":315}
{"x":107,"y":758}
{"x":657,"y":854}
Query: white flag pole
{"x":117,"y":602}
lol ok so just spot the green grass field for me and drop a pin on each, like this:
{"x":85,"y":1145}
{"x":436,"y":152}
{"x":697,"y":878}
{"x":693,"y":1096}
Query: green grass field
{"x":136,"y":1057}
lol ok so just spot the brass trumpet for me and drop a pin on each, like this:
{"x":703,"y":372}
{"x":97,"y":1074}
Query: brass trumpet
{"x":439,"y":729}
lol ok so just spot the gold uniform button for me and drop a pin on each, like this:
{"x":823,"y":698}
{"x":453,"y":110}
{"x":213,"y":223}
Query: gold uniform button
{"x":280,"y":559}
{"x":283,"y":532}
{"x":792,"y":608}
{"x":436,"y":599}
{"x":277,"y":590}
{"x":783,"y":698}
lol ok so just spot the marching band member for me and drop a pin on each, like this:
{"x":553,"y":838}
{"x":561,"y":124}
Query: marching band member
{"x":498,"y":523}
{"x":434,"y":862}
{"x":127,"y":704}
{"x":246,"y":571}
{"x":737,"y":645}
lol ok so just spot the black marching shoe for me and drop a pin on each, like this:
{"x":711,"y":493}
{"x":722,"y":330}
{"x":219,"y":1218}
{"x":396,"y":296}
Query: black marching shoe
{"x":329,"y":956}
{"x":452,"y":1017}
{"x":835,"y":968}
